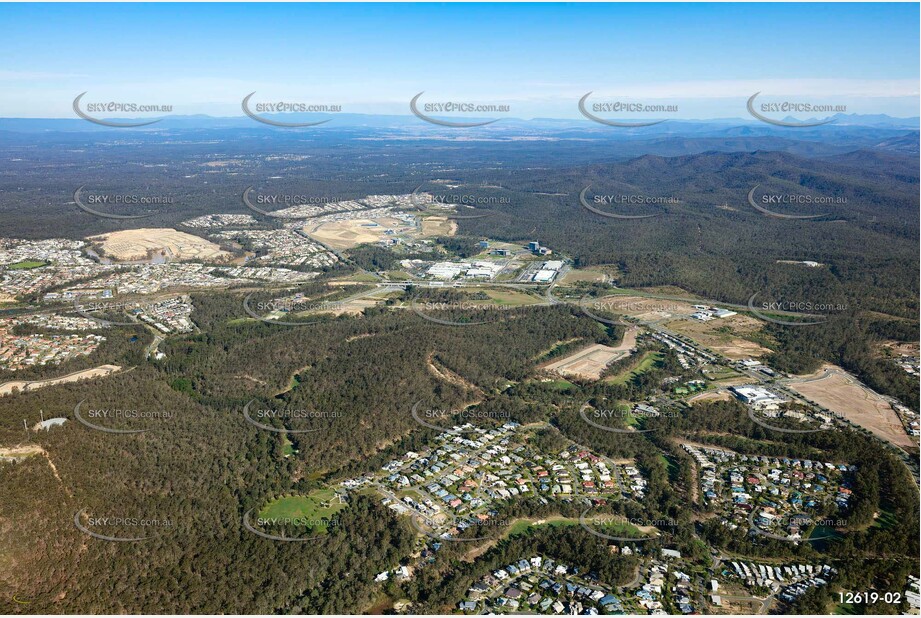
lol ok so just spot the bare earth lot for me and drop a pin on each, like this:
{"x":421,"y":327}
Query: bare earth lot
{"x":354,"y":232}
{"x":838,"y":391}
{"x":723,"y":335}
{"x":438,"y":226}
{"x":158,"y":245}
{"x":729,"y":344}
{"x":589,"y":363}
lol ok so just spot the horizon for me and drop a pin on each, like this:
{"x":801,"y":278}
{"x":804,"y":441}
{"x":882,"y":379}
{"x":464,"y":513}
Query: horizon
{"x":353,"y":119}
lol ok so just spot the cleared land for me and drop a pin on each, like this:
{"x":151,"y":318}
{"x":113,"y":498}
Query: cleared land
{"x":711,"y":396}
{"x":837,"y":390}
{"x":353,"y":232}
{"x":576,"y":275}
{"x":508,"y":297}
{"x":723,"y":335}
{"x":157,"y":245}
{"x":588,"y":363}
{"x":7,"y":388}
{"x":438,"y":226}
{"x":20,"y":452}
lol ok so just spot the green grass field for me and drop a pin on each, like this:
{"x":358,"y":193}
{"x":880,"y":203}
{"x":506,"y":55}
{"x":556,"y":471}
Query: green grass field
{"x":649,"y":360}
{"x":318,"y":504}
{"x":523,"y":526}
{"x":558,"y":385}
{"x":26,"y":265}
{"x":623,"y":529}
{"x":397,"y":275}
{"x":511,"y":298}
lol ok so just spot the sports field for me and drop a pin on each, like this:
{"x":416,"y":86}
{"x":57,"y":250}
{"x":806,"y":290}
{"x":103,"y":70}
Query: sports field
{"x":26,"y":265}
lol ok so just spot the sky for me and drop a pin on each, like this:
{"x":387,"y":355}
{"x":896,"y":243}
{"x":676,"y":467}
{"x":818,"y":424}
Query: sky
{"x":706,"y":60}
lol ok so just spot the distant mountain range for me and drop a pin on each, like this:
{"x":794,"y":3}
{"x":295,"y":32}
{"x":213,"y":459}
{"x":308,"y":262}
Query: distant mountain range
{"x":343,"y":120}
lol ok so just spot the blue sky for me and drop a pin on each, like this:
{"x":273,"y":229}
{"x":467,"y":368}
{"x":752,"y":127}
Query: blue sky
{"x":537,"y":58}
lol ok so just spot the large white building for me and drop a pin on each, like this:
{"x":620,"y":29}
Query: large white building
{"x":757,"y":396}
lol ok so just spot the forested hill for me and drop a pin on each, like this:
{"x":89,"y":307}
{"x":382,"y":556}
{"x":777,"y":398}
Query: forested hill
{"x":709,"y":239}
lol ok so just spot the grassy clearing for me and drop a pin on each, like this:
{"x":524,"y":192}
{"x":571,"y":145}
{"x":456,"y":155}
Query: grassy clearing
{"x":26,"y":265}
{"x":511,"y":298}
{"x":649,"y":360}
{"x":317,"y":505}
{"x":397,"y":275}
{"x":522,"y":526}
{"x":559,"y":385}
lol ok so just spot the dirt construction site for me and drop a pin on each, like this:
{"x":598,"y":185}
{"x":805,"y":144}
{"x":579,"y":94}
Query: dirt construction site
{"x":589,"y":363}
{"x":838,"y":391}
{"x":157,"y":245}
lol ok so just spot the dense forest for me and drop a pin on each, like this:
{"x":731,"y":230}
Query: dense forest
{"x":201,"y":466}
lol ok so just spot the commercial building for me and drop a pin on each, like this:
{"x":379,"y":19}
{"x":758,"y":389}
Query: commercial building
{"x":757,"y":396}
